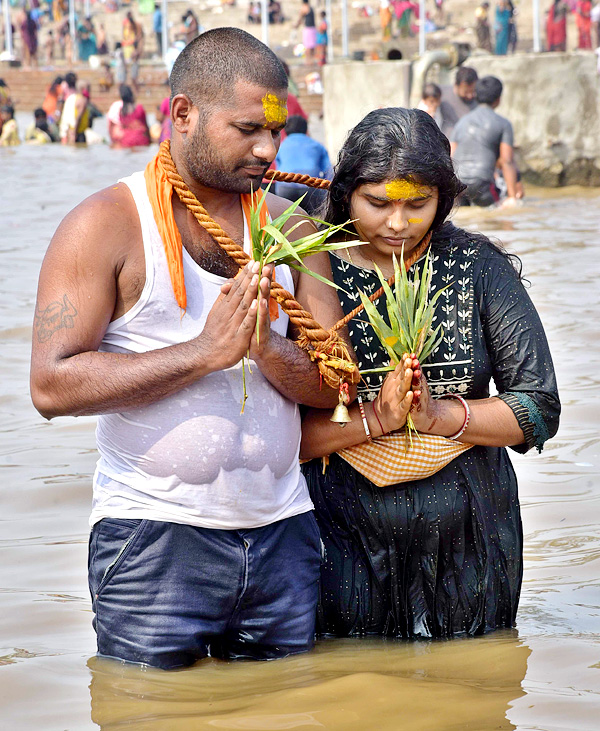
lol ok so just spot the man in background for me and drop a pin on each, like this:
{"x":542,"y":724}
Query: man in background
{"x":459,"y":99}
{"x":299,"y":153}
{"x":480,"y":140}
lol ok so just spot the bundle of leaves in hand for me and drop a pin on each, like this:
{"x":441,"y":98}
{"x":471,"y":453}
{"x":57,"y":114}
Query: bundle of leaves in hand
{"x":271,"y":246}
{"x":410,"y":312}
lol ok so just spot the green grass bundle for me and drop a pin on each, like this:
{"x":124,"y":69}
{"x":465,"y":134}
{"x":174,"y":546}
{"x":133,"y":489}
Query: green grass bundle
{"x":271,"y":246}
{"x":410,"y":311}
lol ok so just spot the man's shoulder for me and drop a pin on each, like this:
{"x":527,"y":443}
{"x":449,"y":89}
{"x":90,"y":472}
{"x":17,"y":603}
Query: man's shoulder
{"x":277,"y":205}
{"x":109,"y":214}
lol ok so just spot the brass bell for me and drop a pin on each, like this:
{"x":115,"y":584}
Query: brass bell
{"x":340,"y":415}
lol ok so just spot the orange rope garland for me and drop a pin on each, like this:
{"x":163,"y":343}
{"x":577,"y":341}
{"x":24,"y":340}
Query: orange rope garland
{"x":325,"y":347}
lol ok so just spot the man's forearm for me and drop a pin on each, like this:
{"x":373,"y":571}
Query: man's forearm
{"x":103,"y":383}
{"x":290,"y":370}
{"x":509,"y":171}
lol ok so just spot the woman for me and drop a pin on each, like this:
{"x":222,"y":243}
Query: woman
{"x":583,"y":11}
{"x":439,"y":556}
{"x":127,"y":125}
{"x":86,"y":40}
{"x":4,"y":93}
{"x":9,"y":132}
{"x":556,"y":26}
{"x":130,"y":36}
{"x":502,"y":28}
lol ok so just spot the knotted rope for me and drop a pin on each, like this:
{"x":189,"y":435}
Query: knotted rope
{"x":324,"y":347}
{"x":299,"y":178}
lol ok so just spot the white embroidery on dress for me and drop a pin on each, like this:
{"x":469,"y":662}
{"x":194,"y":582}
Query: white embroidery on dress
{"x":454,"y":313}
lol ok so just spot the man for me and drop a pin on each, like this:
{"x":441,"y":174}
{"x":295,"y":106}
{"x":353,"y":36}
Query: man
{"x":482,"y":139}
{"x":41,"y":131}
{"x":203,"y":540}
{"x":459,"y":99}
{"x":299,"y":153}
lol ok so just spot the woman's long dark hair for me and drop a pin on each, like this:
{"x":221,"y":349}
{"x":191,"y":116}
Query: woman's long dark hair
{"x":128,"y":99}
{"x":396,"y":143}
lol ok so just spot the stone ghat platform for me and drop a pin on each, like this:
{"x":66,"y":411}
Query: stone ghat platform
{"x":28,"y":87}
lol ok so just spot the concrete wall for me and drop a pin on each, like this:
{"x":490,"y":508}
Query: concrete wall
{"x":552,"y":100}
{"x":352,"y":90}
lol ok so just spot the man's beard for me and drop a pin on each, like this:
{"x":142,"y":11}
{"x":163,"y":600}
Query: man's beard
{"x":208,"y":169}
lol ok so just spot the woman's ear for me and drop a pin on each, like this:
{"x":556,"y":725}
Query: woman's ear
{"x":182,"y":113}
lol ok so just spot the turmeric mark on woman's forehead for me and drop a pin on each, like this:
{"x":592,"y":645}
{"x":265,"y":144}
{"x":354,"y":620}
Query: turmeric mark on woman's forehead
{"x":275,"y":109}
{"x":405,"y":190}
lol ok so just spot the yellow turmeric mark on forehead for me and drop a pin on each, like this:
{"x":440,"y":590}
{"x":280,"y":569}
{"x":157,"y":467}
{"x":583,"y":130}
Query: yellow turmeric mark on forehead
{"x":404,"y":190}
{"x":415,"y":220}
{"x":275,"y":109}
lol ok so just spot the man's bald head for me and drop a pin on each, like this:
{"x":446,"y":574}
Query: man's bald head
{"x":209,"y":67}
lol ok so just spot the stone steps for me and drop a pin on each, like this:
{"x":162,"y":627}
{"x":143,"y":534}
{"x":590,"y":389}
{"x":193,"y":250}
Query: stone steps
{"x":28,"y":87}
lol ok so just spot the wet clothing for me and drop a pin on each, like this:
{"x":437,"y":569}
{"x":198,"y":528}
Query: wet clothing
{"x":75,"y":118}
{"x":41,"y":134}
{"x":191,"y":457}
{"x":167,"y":595}
{"x":9,"y":134}
{"x":478,"y":136}
{"x":443,"y":555}
{"x":134,"y":128}
{"x":203,"y":539}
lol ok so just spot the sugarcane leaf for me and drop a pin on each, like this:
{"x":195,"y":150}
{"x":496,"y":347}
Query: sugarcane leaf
{"x":286,"y":246}
{"x":383,"y":369}
{"x":305,"y":270}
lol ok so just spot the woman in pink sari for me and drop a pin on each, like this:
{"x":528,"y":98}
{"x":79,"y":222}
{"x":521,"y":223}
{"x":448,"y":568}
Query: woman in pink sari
{"x":127,"y":125}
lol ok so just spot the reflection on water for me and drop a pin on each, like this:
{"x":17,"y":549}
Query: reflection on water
{"x":544,"y":675}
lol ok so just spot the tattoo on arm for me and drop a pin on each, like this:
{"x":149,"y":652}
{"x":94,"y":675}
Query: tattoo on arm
{"x":57,"y":316}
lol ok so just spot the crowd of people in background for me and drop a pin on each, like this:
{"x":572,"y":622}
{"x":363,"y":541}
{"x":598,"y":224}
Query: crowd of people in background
{"x":497,"y":32}
{"x":495,"y":27}
{"x":67,"y":114}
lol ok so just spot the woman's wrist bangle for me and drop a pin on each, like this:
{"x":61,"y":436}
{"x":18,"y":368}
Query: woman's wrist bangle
{"x":383,"y":431}
{"x":462,"y":430}
{"x":364,"y":419}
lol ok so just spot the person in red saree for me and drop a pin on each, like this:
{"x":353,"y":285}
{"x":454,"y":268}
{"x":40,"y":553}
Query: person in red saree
{"x":556,"y":26}
{"x":127,"y":126}
{"x":583,"y":11}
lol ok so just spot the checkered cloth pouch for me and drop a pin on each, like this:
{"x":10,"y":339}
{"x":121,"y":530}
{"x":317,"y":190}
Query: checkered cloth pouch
{"x":391,"y":459}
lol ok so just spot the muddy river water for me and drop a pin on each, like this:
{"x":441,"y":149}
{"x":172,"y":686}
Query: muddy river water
{"x":544,"y":674}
